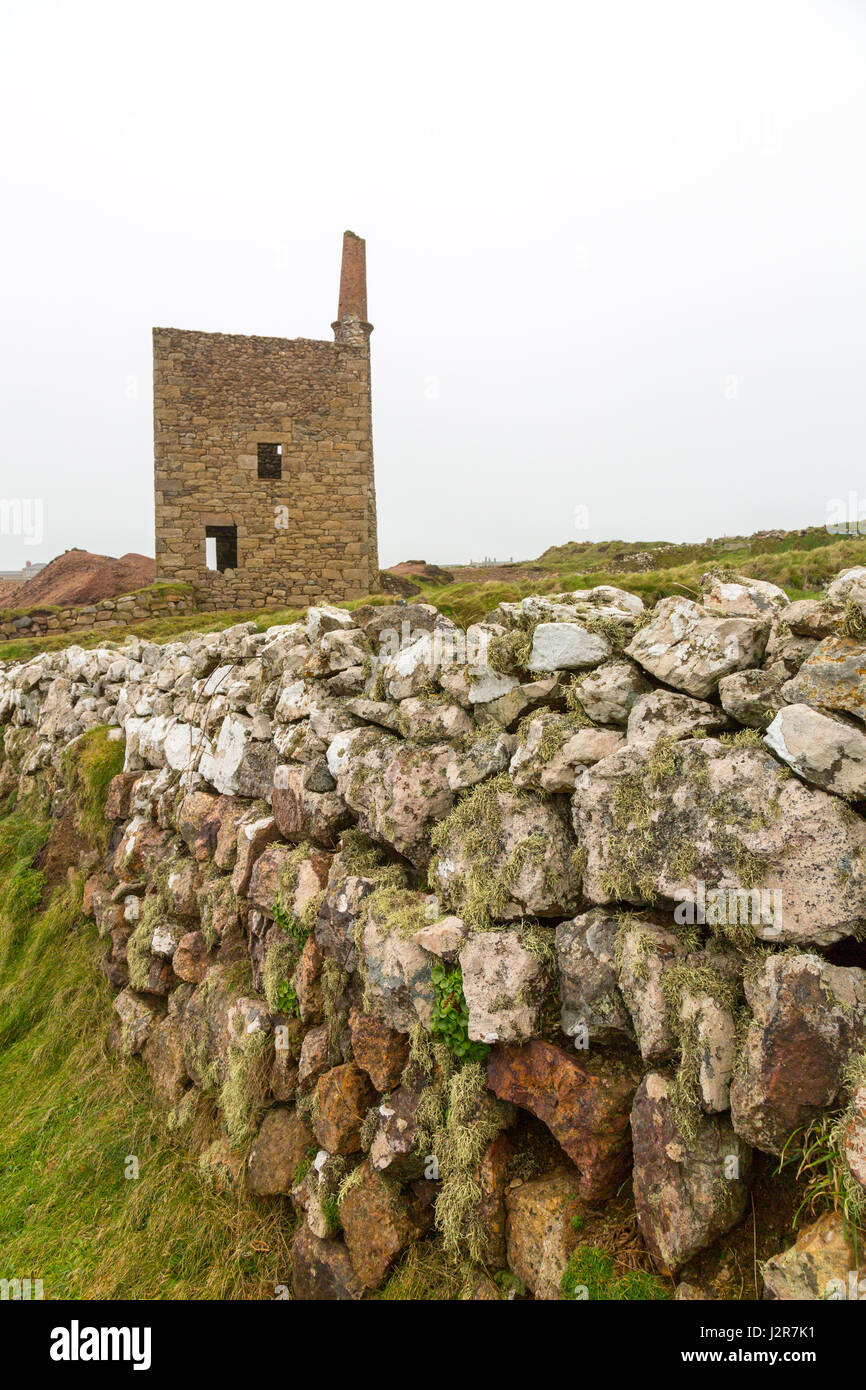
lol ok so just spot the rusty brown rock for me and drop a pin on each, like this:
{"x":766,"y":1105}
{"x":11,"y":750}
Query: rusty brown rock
{"x":143,"y":847}
{"x":182,"y":888}
{"x":339,"y":913}
{"x":808,"y":1022}
{"x":394,"y":1147}
{"x":379,"y":1050}
{"x":161,"y":978}
{"x":584,"y":1101}
{"x":322,"y":1270}
{"x":280,"y":1147}
{"x":305,"y":815}
{"x":252,"y":838}
{"x":492,"y":1178}
{"x":111,"y":918}
{"x":231,"y":812}
{"x":198,"y":823}
{"x":266,"y":875}
{"x":95,"y":896}
{"x":311,"y":877}
{"x":288,"y":1035}
{"x":378,"y":1223}
{"x":316,"y":1056}
{"x":539,"y":1231}
{"x":113,"y":965}
{"x":823,"y":1264}
{"x":308,"y":982}
{"x":118,"y":797}
{"x":344,"y":1095}
{"x":688,"y":1189}
{"x":191,"y":960}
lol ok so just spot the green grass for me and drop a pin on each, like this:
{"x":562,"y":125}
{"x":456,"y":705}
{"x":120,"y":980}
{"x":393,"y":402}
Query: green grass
{"x":801,"y":562}
{"x":72,"y":1113}
{"x":801,"y":565}
{"x":22,"y":834}
{"x":590,"y":1274}
{"x":818,"y":1150}
{"x":90,"y":763}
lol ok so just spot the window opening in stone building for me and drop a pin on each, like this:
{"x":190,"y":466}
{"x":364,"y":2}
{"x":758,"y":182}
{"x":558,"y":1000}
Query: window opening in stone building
{"x":270,"y":460}
{"x":221,"y":547}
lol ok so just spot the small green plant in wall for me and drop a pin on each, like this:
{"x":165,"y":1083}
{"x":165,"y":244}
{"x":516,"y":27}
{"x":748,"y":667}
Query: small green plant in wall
{"x":287,"y":998}
{"x":450,"y":1017}
{"x":290,"y":923}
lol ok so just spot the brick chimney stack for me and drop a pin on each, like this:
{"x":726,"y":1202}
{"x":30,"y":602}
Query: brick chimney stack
{"x":351,"y":326}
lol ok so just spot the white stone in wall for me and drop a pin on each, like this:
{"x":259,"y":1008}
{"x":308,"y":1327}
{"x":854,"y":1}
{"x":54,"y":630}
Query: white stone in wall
{"x":566,"y":647}
{"x":324,"y":619}
{"x":822,"y":750}
{"x":182,"y":746}
{"x":220,"y":767}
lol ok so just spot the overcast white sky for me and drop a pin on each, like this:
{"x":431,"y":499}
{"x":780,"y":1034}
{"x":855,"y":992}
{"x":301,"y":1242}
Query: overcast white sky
{"x":615,"y":252}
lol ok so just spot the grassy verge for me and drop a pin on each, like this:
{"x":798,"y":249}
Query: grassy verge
{"x":72,"y":1115}
{"x":801,"y":564}
{"x":801,"y":572}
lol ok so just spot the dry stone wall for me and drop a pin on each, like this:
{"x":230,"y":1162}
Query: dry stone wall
{"x":107,"y":613}
{"x":471,"y":936}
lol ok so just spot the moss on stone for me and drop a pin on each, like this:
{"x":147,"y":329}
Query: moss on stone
{"x":335,"y":1001}
{"x":472,"y":1119}
{"x":509,"y":652}
{"x":138,"y":952}
{"x":853,"y":621}
{"x":743,"y":738}
{"x":556,"y":731}
{"x":277,"y":973}
{"x":638,"y":842}
{"x":682,"y":978}
{"x":395,"y":909}
{"x":483,"y":895}
{"x":429,"y":1273}
{"x":573,"y":701}
{"x":89,"y":764}
{"x":245,"y":1087}
{"x":617,"y":631}
{"x":644,"y":946}
{"x":359,"y":853}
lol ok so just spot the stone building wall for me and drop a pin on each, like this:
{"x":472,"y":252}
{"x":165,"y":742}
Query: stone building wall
{"x":306,"y":535}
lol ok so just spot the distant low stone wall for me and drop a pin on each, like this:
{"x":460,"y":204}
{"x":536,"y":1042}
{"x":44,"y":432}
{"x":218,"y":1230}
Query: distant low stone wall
{"x":108,"y":613}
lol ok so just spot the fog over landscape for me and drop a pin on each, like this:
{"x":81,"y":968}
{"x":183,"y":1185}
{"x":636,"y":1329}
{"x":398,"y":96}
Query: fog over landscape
{"x":615,"y":259}
{"x":433,"y":750}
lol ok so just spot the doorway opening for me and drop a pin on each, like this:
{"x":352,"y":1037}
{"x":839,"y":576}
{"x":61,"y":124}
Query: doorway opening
{"x":221,"y":548}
